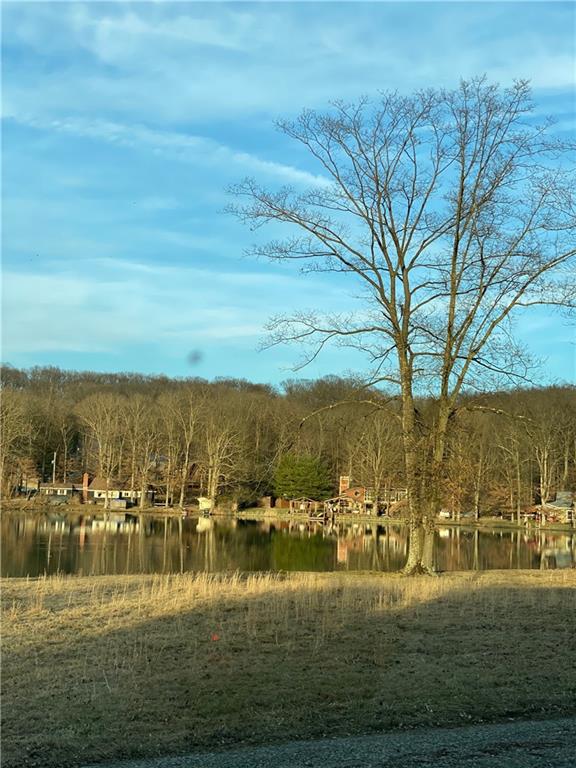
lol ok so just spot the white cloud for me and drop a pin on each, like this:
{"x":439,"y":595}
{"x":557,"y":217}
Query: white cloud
{"x":167,"y":64}
{"x":108,"y":303}
{"x":199,"y":84}
{"x":84,"y":313}
{"x":190,"y":148}
{"x":116,"y":37}
{"x":212,"y":281}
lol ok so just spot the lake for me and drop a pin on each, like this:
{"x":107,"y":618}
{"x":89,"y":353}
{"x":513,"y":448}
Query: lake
{"x":53,"y":543}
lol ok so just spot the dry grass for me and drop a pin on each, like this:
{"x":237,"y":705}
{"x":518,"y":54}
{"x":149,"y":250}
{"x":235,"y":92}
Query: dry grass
{"x":105,"y":667}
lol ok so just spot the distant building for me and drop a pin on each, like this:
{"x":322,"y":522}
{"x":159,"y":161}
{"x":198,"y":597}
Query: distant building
{"x":63,"y":490}
{"x":98,"y":489}
{"x":562,"y":507}
{"x":362,"y":500}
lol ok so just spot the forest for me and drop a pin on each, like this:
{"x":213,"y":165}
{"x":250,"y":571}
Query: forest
{"x":232,"y":440}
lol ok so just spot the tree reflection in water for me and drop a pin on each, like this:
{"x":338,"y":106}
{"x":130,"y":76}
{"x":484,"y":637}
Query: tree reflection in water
{"x":126,"y":543}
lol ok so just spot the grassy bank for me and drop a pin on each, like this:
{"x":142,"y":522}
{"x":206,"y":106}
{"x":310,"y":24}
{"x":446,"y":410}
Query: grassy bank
{"x":107,"y":667}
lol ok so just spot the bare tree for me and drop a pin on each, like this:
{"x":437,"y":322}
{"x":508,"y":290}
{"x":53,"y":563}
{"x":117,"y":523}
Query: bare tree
{"x":180,"y":413}
{"x":170,"y":440}
{"x":567,"y":438}
{"x":221,"y":455}
{"x":544,"y":437}
{"x":15,"y":429}
{"x":102,"y":414}
{"x":141,"y":426}
{"x":453,"y":210}
{"x":65,"y":423}
{"x":481,"y":461}
{"x":373,"y":454}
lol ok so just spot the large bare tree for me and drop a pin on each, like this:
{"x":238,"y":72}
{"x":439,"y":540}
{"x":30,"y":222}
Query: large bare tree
{"x":454,"y":210}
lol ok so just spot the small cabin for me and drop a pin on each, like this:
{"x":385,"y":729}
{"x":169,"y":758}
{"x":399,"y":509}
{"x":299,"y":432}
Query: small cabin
{"x":62,"y":490}
{"x":305,"y":506}
{"x":561,"y":509}
{"x":349,"y":502}
{"x":360,"y":500}
{"x":97,"y":491}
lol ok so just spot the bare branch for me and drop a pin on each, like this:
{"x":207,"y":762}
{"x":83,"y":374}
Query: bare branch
{"x":380,"y":406}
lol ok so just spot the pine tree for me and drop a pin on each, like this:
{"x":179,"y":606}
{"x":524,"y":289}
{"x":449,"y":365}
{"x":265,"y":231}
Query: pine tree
{"x":298,"y":476}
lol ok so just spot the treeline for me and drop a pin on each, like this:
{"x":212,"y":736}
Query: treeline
{"x":226,"y":439}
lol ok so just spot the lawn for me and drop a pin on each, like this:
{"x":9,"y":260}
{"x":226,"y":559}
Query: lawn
{"x":113,"y":667}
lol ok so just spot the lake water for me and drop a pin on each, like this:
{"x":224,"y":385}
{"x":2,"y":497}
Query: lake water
{"x":90,"y":545}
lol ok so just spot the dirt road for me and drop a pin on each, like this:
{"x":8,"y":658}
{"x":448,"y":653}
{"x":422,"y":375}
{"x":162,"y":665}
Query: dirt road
{"x":540,"y":744}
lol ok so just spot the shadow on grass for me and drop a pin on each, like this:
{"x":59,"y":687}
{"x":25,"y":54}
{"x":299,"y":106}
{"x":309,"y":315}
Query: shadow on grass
{"x":333,"y":658}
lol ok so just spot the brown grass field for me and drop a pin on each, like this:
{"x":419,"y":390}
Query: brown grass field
{"x":118,"y":667}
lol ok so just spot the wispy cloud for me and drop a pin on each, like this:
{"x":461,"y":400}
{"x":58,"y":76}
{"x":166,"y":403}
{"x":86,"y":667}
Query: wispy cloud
{"x":80,"y":313}
{"x":112,"y":36}
{"x":189,"y":148}
{"x":108,"y":302}
{"x":132,"y":118}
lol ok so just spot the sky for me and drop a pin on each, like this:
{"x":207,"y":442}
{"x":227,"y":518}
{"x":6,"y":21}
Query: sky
{"x":123,"y":124}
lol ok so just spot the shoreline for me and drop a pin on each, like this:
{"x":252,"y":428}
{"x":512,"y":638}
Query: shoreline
{"x":272,"y":513}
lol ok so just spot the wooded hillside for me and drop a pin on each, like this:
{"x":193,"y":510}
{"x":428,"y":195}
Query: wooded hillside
{"x":225,"y":439}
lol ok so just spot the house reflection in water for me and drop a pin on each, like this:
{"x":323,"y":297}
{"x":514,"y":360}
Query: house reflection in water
{"x":120,"y":542}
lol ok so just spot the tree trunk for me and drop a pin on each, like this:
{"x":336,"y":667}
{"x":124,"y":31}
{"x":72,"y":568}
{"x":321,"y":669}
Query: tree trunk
{"x":518,"y":491}
{"x":168,"y":478}
{"x":181,"y":499}
{"x":213,"y":476}
{"x":421,"y":524}
{"x":565,"y":460}
{"x":420,"y":550}
{"x":184,"y":478}
{"x":477,"y":503}
{"x":143,"y":491}
{"x":423,"y":511}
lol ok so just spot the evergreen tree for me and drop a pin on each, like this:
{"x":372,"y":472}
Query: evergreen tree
{"x":298,"y":476}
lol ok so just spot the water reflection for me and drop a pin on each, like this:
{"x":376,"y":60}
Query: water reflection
{"x":127,"y":543}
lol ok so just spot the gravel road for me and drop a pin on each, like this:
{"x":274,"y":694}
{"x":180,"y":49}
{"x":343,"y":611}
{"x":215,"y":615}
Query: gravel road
{"x":541,"y":744}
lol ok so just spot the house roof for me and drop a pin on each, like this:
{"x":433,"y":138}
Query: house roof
{"x":354,"y":491}
{"x":67,"y":486}
{"x":99,"y":484}
{"x":559,"y":504}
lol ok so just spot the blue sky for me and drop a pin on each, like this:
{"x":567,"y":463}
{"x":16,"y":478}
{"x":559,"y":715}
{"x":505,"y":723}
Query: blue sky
{"x":123,"y":124}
